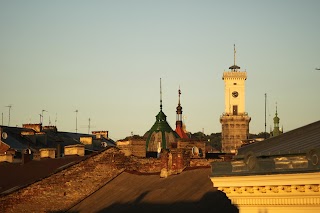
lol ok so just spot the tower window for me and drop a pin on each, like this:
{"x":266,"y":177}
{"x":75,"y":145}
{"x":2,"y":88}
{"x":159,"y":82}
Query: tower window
{"x":234,"y":83}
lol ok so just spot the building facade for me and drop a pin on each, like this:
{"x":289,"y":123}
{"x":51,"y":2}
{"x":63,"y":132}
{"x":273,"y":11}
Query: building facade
{"x":235,"y":120}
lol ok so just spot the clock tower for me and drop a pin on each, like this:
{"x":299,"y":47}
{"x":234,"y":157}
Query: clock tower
{"x":235,"y":120}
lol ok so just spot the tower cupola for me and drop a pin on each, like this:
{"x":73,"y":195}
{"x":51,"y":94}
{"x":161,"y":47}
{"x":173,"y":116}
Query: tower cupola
{"x":179,"y":126}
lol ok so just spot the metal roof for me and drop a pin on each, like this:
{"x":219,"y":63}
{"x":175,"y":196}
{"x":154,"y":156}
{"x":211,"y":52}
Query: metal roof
{"x":300,"y":140}
{"x":161,"y":125}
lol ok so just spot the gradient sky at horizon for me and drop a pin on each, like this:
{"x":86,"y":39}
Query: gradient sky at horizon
{"x":105,"y":59}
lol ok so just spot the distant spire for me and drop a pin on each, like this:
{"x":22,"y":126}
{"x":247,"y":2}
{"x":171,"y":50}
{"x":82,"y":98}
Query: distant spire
{"x":179,"y":92}
{"x":160,"y":96}
{"x":179,"y":124}
{"x":179,"y":107}
{"x":276,"y":110}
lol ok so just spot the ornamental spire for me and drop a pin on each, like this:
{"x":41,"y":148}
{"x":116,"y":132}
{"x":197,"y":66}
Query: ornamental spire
{"x":179,"y":92}
{"x":160,"y":96}
{"x":179,"y":107}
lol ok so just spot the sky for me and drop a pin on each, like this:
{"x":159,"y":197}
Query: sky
{"x":105,"y":59}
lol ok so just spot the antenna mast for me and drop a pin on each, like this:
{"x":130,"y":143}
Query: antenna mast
{"x":42,"y":115}
{"x":9,"y":106}
{"x":55,"y":121}
{"x":234,"y":54}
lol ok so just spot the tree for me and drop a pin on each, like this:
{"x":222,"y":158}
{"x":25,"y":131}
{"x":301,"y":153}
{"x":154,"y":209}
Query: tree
{"x":263,"y":135}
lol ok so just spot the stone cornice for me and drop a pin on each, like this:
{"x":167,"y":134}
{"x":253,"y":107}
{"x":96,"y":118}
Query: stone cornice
{"x":264,"y":180}
{"x":272,"y":192}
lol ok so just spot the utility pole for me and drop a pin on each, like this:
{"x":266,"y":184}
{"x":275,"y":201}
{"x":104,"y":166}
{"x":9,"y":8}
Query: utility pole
{"x":89,"y":126}
{"x":265,"y":115}
{"x":9,"y":106}
{"x":76,"y":120}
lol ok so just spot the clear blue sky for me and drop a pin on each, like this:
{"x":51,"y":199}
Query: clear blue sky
{"x":105,"y":59}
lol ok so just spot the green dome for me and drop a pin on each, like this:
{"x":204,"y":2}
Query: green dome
{"x":160,"y":134}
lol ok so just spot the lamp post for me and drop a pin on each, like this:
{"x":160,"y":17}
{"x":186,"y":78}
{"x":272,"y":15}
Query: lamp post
{"x":76,"y":120}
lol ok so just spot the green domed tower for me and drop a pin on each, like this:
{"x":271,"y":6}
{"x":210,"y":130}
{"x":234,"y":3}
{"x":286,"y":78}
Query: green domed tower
{"x":276,"y":129}
{"x":161,"y":135}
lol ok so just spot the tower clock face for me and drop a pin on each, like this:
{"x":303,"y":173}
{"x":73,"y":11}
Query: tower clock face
{"x":235,"y":94}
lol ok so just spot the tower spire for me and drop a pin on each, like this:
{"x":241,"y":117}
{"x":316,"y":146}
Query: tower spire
{"x":179,"y":126}
{"x":276,"y":129}
{"x":179,"y":92}
{"x":160,"y":96}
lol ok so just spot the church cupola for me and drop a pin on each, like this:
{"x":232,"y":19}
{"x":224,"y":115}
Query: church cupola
{"x":276,"y":120}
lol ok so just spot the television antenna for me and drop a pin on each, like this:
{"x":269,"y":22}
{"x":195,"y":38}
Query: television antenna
{"x":88,"y":126}
{"x":9,"y":106}
{"x":42,"y":115}
{"x":55,"y":121}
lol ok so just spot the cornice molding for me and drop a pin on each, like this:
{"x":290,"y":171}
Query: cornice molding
{"x":300,"y":190}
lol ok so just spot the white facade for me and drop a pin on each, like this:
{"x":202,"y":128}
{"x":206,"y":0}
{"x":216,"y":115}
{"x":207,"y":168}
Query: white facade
{"x":234,"y":91}
{"x":276,"y":193}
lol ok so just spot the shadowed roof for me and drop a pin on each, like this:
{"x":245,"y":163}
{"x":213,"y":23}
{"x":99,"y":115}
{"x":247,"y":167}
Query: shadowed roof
{"x":16,"y":175}
{"x":128,"y":190}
